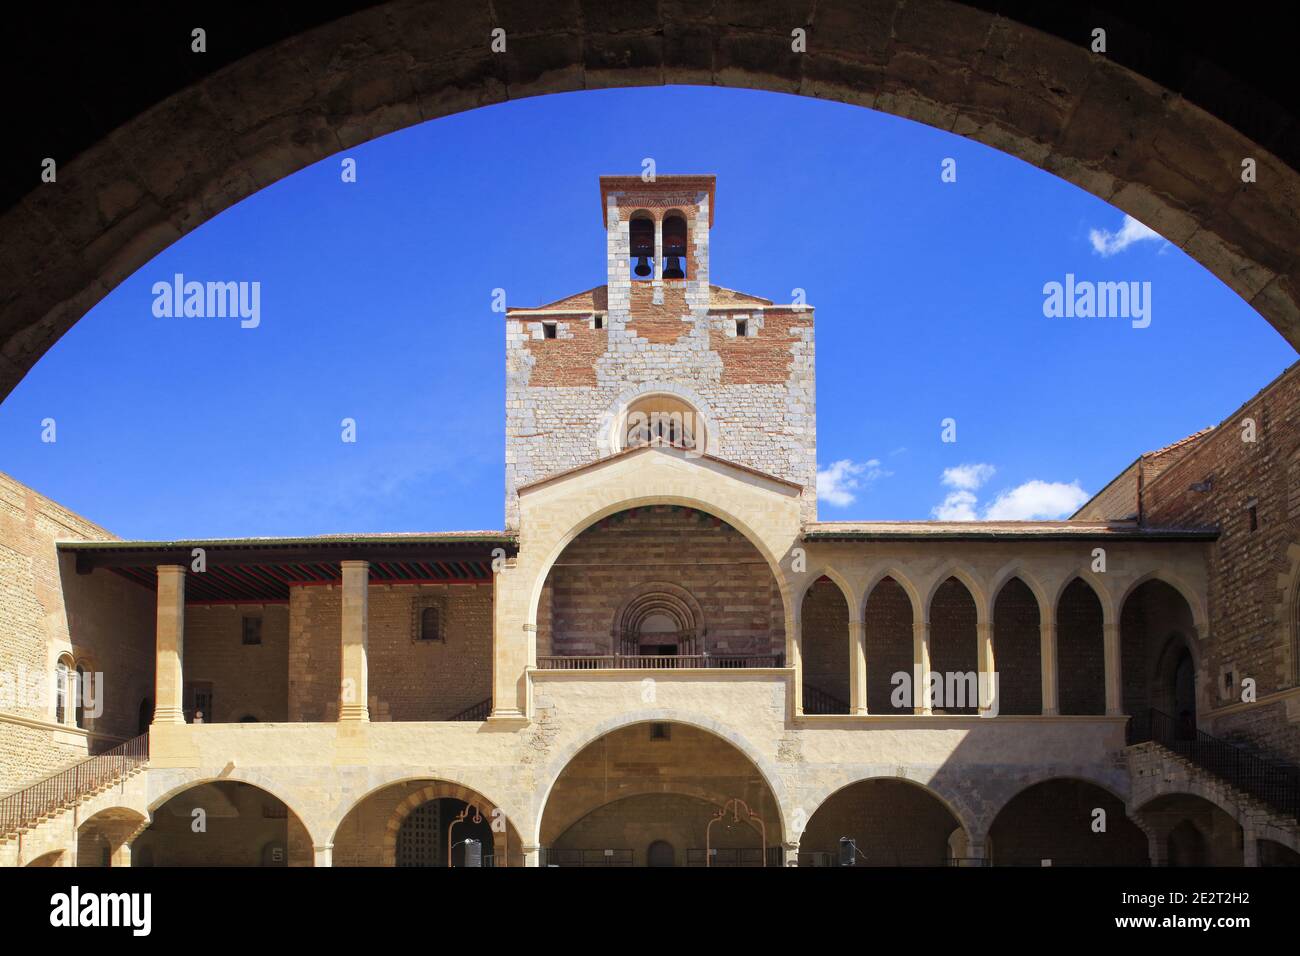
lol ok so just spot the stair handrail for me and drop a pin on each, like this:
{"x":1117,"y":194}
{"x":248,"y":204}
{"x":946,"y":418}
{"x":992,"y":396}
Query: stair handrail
{"x":69,"y":786}
{"x":1274,"y":783}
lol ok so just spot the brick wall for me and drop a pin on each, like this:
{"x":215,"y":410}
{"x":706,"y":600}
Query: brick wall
{"x":408,"y":679}
{"x":100,"y":619}
{"x":1251,"y":616}
{"x":631,"y":553}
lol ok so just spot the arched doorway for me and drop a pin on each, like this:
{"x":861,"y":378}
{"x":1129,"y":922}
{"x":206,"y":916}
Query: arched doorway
{"x":224,"y":823}
{"x":661,"y":794}
{"x":824,"y":631}
{"x":1066,"y":822}
{"x":426,"y":823}
{"x":660,"y":585}
{"x":1192,"y":831}
{"x":1158,"y":667}
{"x":892,"y":822}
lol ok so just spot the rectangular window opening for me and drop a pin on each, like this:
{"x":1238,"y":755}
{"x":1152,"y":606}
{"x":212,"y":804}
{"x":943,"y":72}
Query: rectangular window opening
{"x":742,"y":328}
{"x":548,"y":330}
{"x":252,"y":630}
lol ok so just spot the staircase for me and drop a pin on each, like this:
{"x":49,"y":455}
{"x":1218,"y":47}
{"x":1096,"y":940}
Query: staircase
{"x":31,"y":806}
{"x":480,"y":711}
{"x":817,"y":701}
{"x":1262,"y":786}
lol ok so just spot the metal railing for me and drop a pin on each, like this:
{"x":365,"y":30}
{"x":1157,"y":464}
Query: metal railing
{"x":69,"y":787}
{"x":735,"y":857}
{"x":1276,"y":784}
{"x":553,"y":857}
{"x":567,"y":662}
{"x":817,"y":701}
{"x":480,"y":711}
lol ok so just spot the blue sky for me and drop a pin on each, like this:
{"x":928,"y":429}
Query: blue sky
{"x":376,"y":305}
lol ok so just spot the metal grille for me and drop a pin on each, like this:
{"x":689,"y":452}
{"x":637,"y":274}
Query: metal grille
{"x":419,"y":839}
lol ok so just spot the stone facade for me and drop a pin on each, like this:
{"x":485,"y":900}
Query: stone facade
{"x":567,"y":396}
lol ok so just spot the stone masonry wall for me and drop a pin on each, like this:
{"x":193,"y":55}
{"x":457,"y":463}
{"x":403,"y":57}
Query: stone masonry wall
{"x":409,"y":679}
{"x":100,"y":619}
{"x":1253,"y":574}
{"x":248,"y":680}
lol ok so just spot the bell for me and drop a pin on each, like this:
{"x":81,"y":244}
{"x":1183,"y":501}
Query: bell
{"x":642,"y":266}
{"x":673,"y":268}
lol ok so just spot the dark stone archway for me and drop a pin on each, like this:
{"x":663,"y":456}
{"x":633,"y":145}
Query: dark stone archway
{"x":1158,"y":126}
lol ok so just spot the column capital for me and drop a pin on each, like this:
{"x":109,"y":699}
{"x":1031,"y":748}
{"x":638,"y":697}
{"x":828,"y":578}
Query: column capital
{"x":355,"y":563}
{"x":177,"y":569}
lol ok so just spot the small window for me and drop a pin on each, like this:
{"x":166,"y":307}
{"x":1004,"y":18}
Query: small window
{"x":1252,"y":515}
{"x":548,"y":330}
{"x":742,"y":328}
{"x":430,"y":624}
{"x":252,"y":630}
{"x":80,"y":692}
{"x":659,"y":732}
{"x":598,"y":322}
{"x":61,"y":691}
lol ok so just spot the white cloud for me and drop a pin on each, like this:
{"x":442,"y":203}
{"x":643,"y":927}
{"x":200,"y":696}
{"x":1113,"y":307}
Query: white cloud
{"x":1106,"y":243}
{"x":838,"y":483}
{"x":967,"y":477}
{"x":957,"y":506}
{"x":1036,"y":500}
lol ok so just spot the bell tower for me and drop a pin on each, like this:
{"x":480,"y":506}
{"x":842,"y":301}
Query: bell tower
{"x":658,"y":354}
{"x":657,"y":240}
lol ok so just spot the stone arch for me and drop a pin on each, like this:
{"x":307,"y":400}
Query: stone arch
{"x":644,"y":501}
{"x":967,"y":576}
{"x":1016,"y":622}
{"x":1018,"y":569}
{"x":503,"y":846}
{"x":612,"y":425}
{"x":1144,"y":657}
{"x":246,"y":839}
{"x":1195,"y":601}
{"x":659,"y":597}
{"x":955,"y":614}
{"x":1100,"y":587}
{"x":1195,"y":829}
{"x":1081,"y":647}
{"x":766,"y":770}
{"x":112,"y":829}
{"x":1039,"y":96}
{"x":800,"y":590}
{"x":1056,"y":818}
{"x":889,"y":630}
{"x":904,"y":581}
{"x":908,"y":787}
{"x":825,"y":615}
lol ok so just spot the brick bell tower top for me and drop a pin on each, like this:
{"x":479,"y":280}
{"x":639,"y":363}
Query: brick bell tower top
{"x":659,"y":342}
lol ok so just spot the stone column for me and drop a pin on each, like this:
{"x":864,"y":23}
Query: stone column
{"x":857,"y":667}
{"x":791,"y":856}
{"x":987,"y":668}
{"x":1249,"y":847}
{"x":977,"y":851}
{"x":121,"y":855}
{"x":1047,"y":651}
{"x":169,"y":677}
{"x":1114,"y":693}
{"x":323,"y":855}
{"x":921,"y":703}
{"x":532,"y":855}
{"x":794,"y":658}
{"x":354,"y":691}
